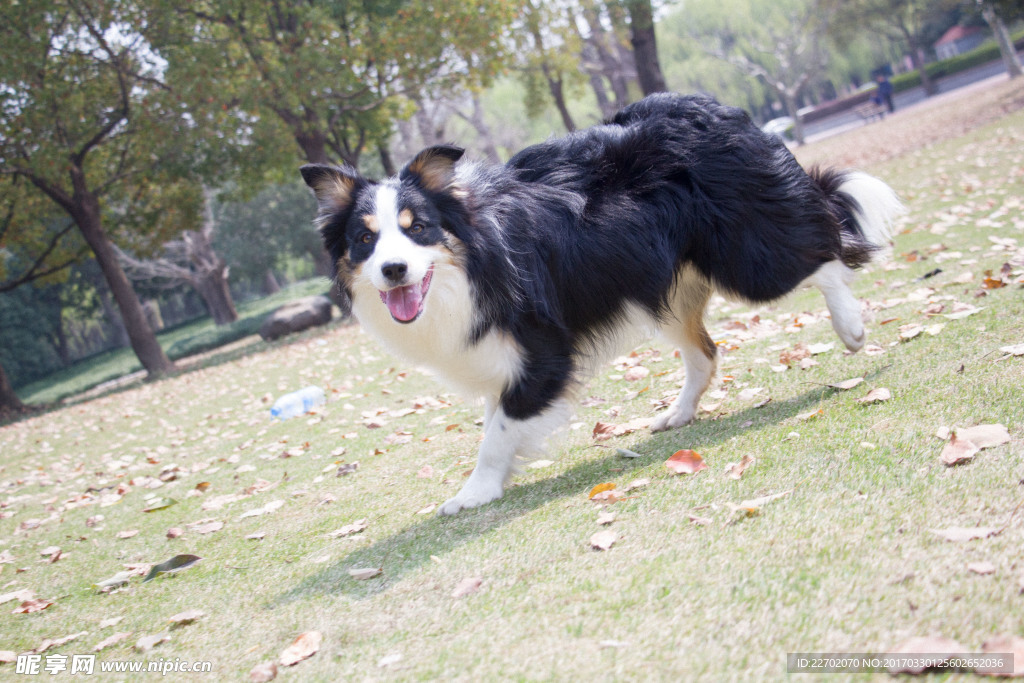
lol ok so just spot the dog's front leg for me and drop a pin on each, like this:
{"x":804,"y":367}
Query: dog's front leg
{"x":505,"y":438}
{"x":494,"y":464}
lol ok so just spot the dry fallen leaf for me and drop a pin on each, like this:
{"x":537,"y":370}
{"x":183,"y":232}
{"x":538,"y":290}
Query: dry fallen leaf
{"x":686,"y":461}
{"x":1015,"y":350}
{"x":983,"y":567}
{"x":603,"y":540}
{"x":365,"y":573}
{"x":939,"y":649}
{"x":958,"y":451}
{"x":876,"y":396}
{"x":467,"y":586}
{"x":262,"y":673}
{"x":303,"y":647}
{"x":601,"y":488}
{"x":147,"y":643}
{"x":175,"y":532}
{"x":186,"y":617}
{"x":957,"y":534}
{"x":985,"y":436}
{"x":847,"y":383}
{"x":206,"y":527}
{"x":111,"y":640}
{"x":349,"y":529}
{"x":735,"y":470}
{"x":32,"y":605}
{"x":605,"y":517}
{"x":753,"y":506}
{"x":1008,"y":644}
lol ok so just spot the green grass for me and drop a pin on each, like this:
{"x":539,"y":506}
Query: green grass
{"x":845,"y":563}
{"x":180,"y":342}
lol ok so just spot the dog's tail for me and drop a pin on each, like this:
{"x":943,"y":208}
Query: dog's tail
{"x":866,"y":208}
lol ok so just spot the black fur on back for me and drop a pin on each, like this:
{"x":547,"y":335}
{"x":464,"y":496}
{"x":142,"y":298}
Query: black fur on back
{"x":560,"y":239}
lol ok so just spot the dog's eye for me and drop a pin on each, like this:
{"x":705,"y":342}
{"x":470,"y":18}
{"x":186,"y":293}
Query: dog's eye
{"x":366,"y":238}
{"x":416,"y":228}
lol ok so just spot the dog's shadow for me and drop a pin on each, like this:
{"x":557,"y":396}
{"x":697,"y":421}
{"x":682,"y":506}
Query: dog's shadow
{"x":436,"y":536}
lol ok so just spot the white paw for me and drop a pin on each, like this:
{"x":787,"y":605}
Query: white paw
{"x":854,"y":342}
{"x":671,"y":419}
{"x":473,"y":494}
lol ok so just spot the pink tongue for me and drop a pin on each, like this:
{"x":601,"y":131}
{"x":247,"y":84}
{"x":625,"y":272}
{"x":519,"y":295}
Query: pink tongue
{"x":404,"y":302}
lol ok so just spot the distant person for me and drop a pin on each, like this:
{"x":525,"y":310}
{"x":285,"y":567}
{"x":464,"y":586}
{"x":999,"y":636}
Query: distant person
{"x":884,"y":93}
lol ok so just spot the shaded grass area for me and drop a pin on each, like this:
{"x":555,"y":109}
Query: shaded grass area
{"x":182,"y":341}
{"x":846,"y":562}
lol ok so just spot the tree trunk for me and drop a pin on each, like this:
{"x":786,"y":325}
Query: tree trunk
{"x":486,"y":137}
{"x":141,"y":337}
{"x":558,"y":95}
{"x":118,"y":334}
{"x":9,"y":401}
{"x":917,"y":60}
{"x":270,"y":283}
{"x":385,"y":160}
{"x":213,"y":287}
{"x":789,"y":99}
{"x":645,"y":47}
{"x":1006,"y":49}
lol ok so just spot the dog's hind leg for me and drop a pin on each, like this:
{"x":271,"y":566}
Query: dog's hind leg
{"x":833,"y":279}
{"x":685,"y":328}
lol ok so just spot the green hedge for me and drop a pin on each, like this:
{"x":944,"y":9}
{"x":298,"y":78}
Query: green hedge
{"x":983,"y":54}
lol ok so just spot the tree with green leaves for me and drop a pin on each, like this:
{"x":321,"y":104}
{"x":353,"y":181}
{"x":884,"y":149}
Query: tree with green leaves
{"x":915,"y":24}
{"x":783,"y":44}
{"x":87,"y":122}
{"x":333,"y":76}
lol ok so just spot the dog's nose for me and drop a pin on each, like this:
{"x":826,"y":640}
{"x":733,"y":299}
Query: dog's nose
{"x":395,"y":271}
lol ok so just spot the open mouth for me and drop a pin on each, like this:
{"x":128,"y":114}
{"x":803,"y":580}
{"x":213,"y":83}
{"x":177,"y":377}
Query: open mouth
{"x":406,"y":303}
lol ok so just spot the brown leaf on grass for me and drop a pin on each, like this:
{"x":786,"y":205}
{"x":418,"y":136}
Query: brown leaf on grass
{"x":262,"y":673}
{"x":57,"y":642}
{"x":878,"y":395}
{"x":938,"y":648}
{"x":147,"y":643}
{"x":113,"y":621}
{"x":186,"y":617}
{"x":425,"y":472}
{"x":635,"y":373}
{"x":983,"y":567}
{"x":606,"y":430}
{"x":636,"y":484}
{"x":603,"y":540}
{"x":8,"y":656}
{"x":686,"y":461}
{"x":1014,"y":350}
{"x":303,"y":647}
{"x":467,"y":586}
{"x":847,"y":383}
{"x":347,"y":468}
{"x":910,"y":330}
{"x":19,"y":595}
{"x":111,"y":640}
{"x":698,"y":520}
{"x":959,"y":534}
{"x":365,"y":573}
{"x":206,"y":526}
{"x":605,"y":518}
{"x":735,"y":470}
{"x":175,"y":532}
{"x":601,"y":488}
{"x":349,"y":529}
{"x":985,"y":436}
{"x":1008,"y":644}
{"x":753,"y":506}
{"x":32,"y":605}
{"x":127,"y":533}
{"x":958,"y":451}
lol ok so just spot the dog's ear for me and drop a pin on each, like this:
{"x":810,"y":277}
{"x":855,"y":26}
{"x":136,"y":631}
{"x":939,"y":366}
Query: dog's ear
{"x":334,"y":187}
{"x":434,"y":168}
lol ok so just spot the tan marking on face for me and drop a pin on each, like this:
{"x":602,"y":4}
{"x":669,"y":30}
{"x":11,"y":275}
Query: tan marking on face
{"x":371,"y":222}
{"x":405,"y":218}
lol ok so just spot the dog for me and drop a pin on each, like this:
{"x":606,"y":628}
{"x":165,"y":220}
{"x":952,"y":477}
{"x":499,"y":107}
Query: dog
{"x":513,"y":283}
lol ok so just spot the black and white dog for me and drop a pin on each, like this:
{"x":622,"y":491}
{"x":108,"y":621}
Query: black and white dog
{"x":513,"y":282}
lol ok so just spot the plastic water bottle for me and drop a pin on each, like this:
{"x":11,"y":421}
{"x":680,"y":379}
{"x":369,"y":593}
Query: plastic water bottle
{"x":298,"y":403}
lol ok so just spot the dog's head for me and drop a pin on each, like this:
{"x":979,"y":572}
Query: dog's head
{"x":387,"y":238}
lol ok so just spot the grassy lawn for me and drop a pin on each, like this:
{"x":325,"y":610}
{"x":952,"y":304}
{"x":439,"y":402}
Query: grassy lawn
{"x":694,"y":586}
{"x":178,"y":343}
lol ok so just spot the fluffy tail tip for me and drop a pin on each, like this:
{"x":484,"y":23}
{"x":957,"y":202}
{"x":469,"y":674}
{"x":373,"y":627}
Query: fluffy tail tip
{"x":877,"y":207}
